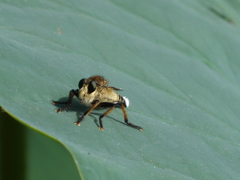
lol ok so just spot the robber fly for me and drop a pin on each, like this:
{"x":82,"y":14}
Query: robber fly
{"x":95,"y":93}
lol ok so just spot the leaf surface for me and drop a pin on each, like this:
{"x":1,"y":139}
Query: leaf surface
{"x":177,"y":62}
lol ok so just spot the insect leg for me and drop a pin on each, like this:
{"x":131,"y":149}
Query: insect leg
{"x":68,"y":102}
{"x":95,"y":104}
{"x":100,"y":117}
{"x":126,"y":119}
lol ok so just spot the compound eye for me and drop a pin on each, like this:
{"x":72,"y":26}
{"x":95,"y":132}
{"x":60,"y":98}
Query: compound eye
{"x":91,"y":86}
{"x":81,"y":82}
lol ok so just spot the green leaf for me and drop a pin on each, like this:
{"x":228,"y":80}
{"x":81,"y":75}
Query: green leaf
{"x":177,"y":62}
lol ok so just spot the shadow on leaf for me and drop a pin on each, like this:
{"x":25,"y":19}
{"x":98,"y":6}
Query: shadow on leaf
{"x":80,"y":109}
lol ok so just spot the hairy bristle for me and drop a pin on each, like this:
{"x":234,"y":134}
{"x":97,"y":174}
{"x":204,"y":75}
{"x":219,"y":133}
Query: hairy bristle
{"x":127,"y":102}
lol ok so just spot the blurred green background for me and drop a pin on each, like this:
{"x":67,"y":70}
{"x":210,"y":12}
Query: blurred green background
{"x":177,"y":62}
{"x":27,"y":154}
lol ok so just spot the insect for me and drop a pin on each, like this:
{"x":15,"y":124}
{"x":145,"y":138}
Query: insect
{"x":95,"y":93}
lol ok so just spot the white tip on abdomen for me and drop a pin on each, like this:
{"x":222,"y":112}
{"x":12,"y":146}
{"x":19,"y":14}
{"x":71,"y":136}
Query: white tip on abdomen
{"x":127,"y":102}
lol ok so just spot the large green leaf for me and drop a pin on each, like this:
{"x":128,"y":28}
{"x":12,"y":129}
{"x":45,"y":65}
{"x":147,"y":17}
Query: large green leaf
{"x":177,"y":61}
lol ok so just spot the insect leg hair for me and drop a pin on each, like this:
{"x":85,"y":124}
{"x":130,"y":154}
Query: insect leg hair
{"x":95,"y":104}
{"x":68,"y":102}
{"x":104,"y":114}
{"x":126,"y":119}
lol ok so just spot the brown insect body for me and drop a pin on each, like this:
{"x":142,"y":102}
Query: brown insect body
{"x":103,"y":92}
{"x":95,"y":92}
